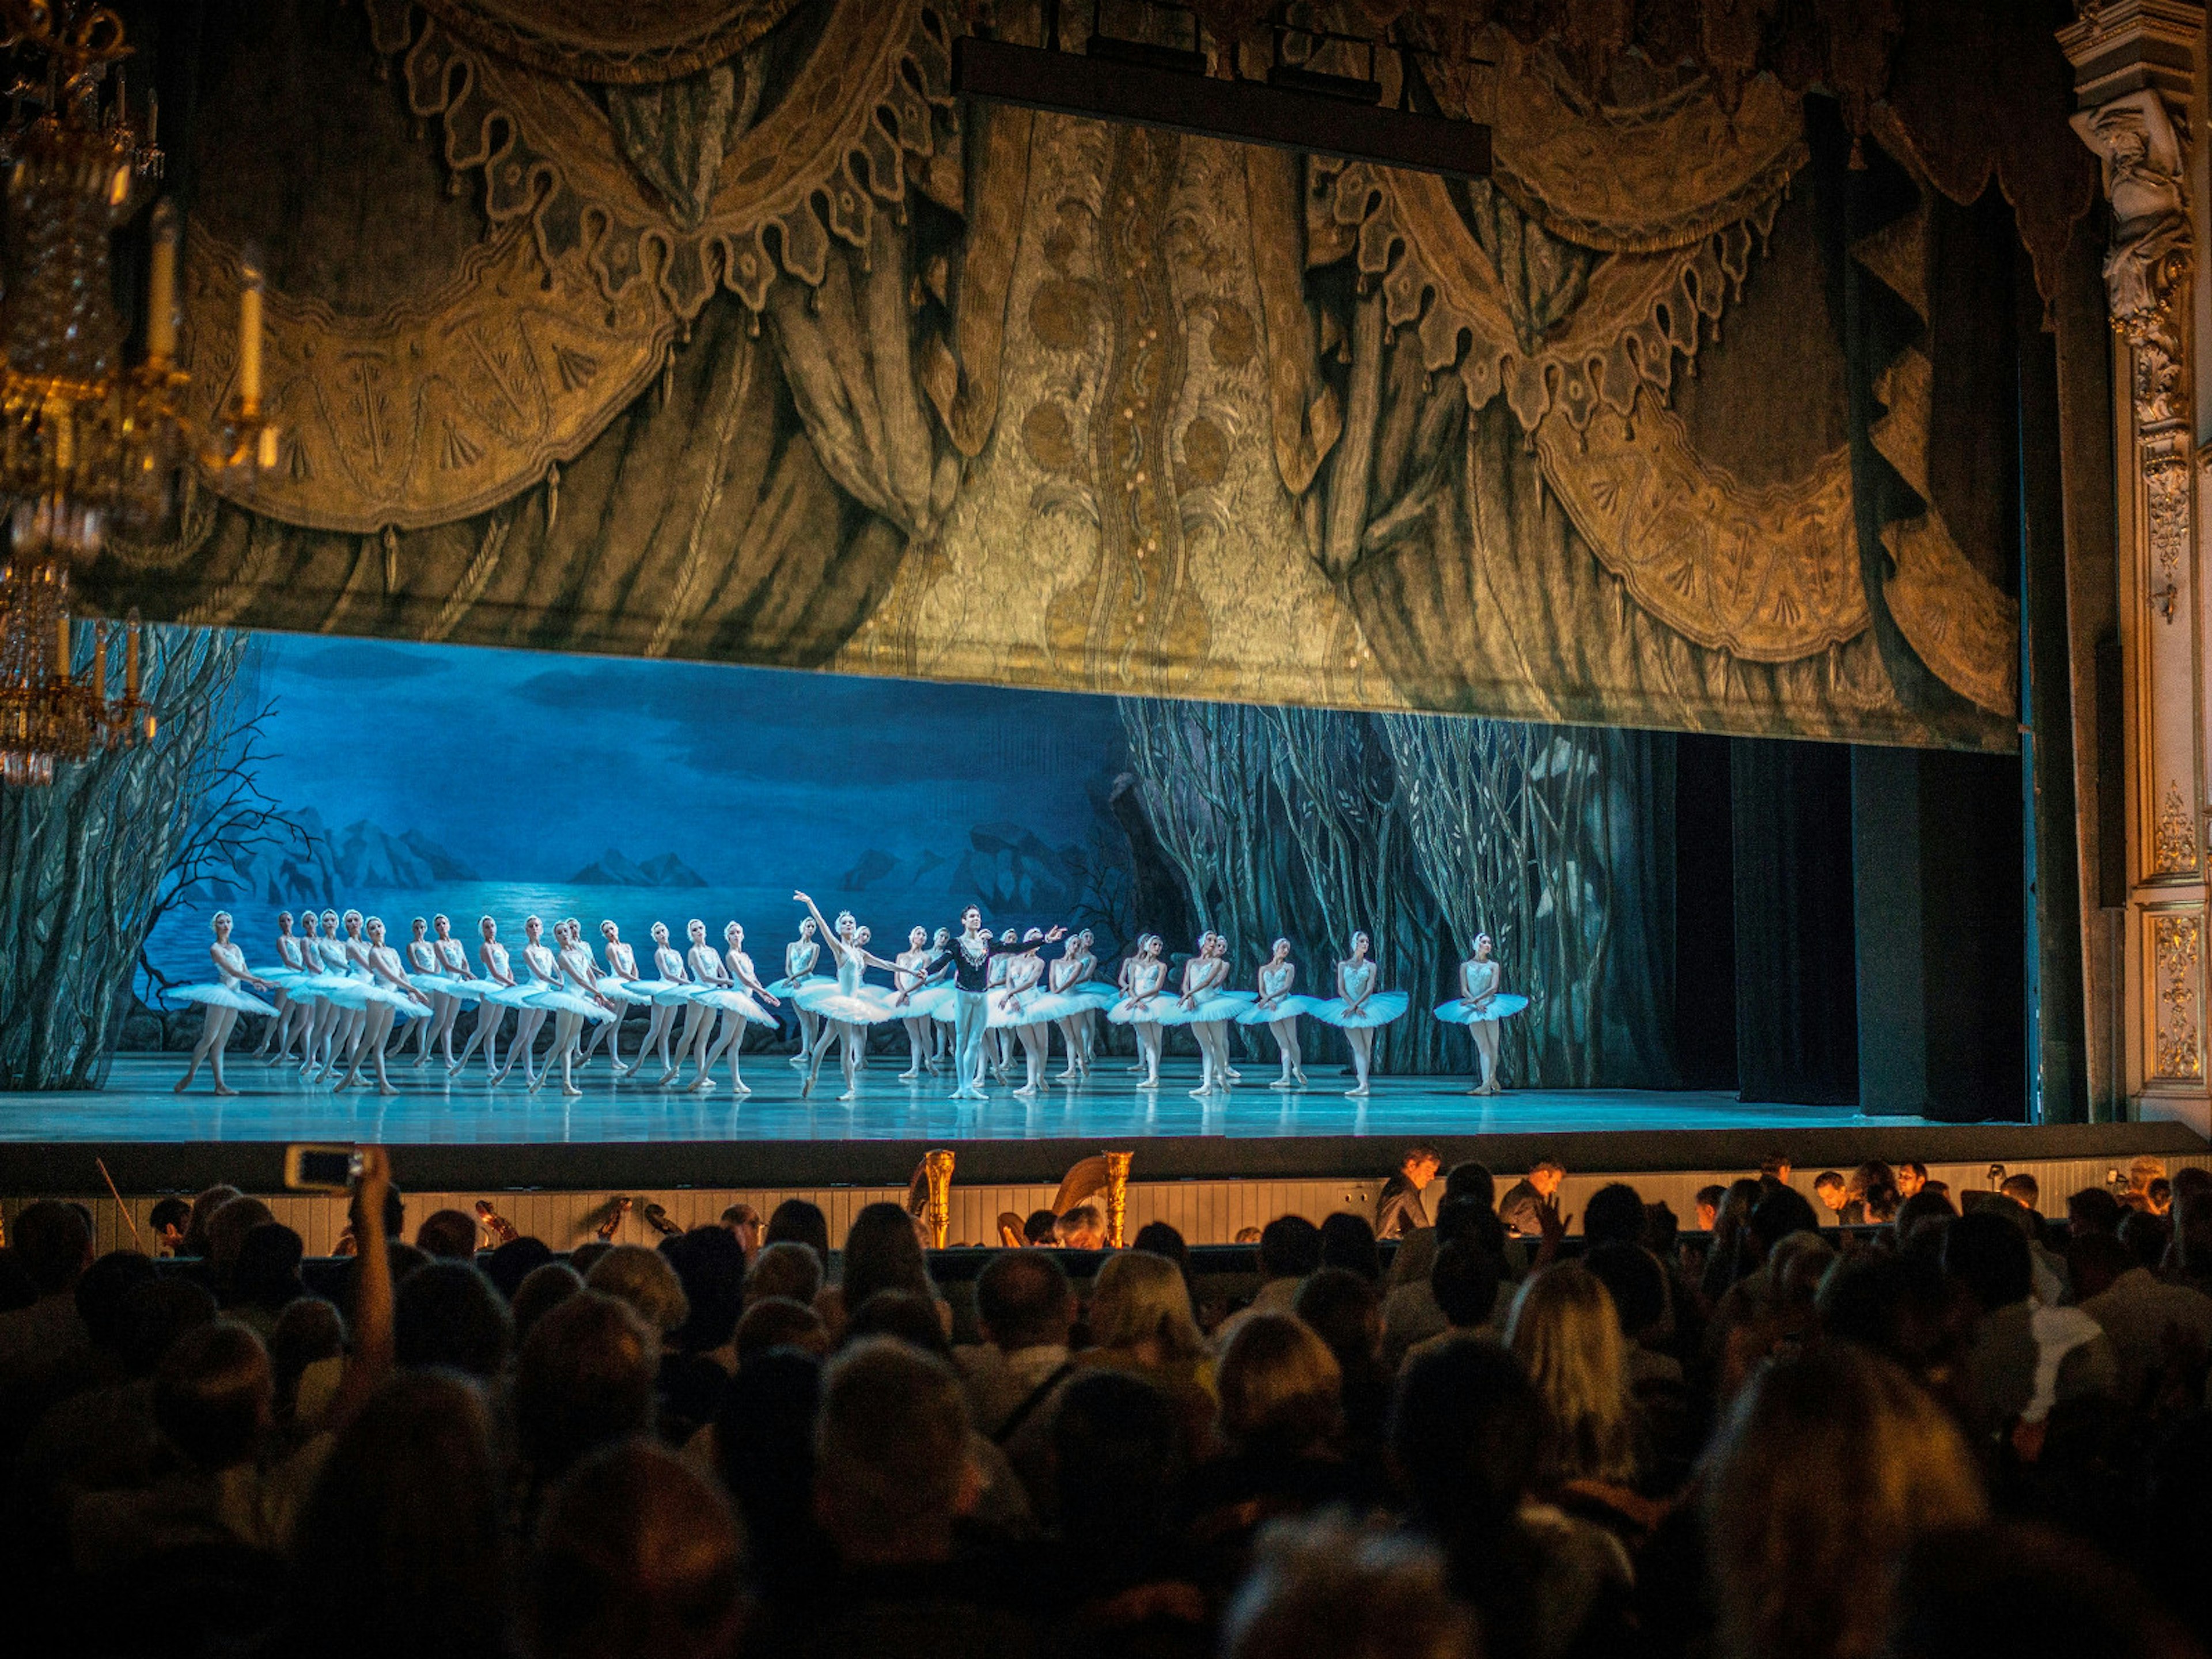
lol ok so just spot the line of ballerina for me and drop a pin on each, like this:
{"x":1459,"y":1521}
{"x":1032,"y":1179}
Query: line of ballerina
{"x":965,"y":998}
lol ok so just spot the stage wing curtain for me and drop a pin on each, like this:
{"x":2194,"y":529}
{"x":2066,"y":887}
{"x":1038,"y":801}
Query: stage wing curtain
{"x":728,"y":333}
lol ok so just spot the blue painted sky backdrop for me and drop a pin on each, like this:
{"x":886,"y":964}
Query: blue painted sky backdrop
{"x":528,"y":765}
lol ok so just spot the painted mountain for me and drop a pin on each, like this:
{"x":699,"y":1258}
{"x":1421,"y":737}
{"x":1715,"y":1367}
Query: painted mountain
{"x":331,"y":864}
{"x":614,"y":869}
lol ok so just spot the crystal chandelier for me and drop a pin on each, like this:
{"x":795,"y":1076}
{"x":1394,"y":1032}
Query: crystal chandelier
{"x":87,"y":447}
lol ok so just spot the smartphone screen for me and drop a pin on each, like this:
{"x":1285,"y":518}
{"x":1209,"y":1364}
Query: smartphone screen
{"x":324,"y":1169}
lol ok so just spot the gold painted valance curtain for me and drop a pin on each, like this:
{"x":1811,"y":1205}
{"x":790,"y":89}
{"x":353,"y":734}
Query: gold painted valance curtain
{"x":727,"y":332}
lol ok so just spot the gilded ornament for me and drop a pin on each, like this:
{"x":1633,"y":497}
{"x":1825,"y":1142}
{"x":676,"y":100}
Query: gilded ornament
{"x":2175,"y":947}
{"x":2173,"y":844}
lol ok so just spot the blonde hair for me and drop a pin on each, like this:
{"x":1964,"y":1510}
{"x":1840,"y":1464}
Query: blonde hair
{"x":642,"y":1278}
{"x":1827,"y":1468}
{"x":1563,"y":1330}
{"x":1279,"y":1381}
{"x":1139,"y":1297}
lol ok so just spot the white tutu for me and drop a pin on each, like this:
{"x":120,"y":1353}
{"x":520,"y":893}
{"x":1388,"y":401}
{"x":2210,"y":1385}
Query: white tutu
{"x":791,"y":988}
{"x":1056,"y":1005}
{"x":1127,"y":1013}
{"x":1029,"y":1007}
{"x":339,"y":990}
{"x":510,"y":996}
{"x":869,"y":1006}
{"x":1213,"y":1008}
{"x":403,"y":1006}
{"x":1096,"y":993}
{"x":282,"y":976}
{"x":1289,"y":1008}
{"x":470,"y":991}
{"x":1502,"y":1005}
{"x":932,"y":1001}
{"x":625,"y":990}
{"x":678,"y":994}
{"x":736,"y":1002}
{"x":1379,"y":1009}
{"x":223,"y":996}
{"x":559,"y":1000}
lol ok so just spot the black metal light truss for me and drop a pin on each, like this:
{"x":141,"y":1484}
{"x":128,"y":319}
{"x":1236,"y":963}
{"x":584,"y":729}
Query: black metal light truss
{"x":1142,"y":83}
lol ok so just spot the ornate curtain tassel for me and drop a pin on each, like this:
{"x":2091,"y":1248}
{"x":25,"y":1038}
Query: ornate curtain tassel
{"x":390,"y":560}
{"x":552,"y":496}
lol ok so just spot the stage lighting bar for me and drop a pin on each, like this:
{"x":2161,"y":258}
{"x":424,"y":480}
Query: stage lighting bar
{"x":1166,"y":87}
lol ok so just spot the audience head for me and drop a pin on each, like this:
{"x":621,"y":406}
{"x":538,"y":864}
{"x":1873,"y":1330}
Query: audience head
{"x":796,"y":1221}
{"x":777,"y":1322}
{"x":226,"y":1236}
{"x":1636,"y":1283}
{"x":402,"y":1547}
{"x":447,"y":1314}
{"x":1342,"y":1308}
{"x":1280,"y":1388}
{"x":1615,"y":1215}
{"x":1988,"y":1257}
{"x":911,"y":1318}
{"x":893,"y":1472}
{"x":1043,"y":1227}
{"x":2024,"y":1189}
{"x":104,"y":1292}
{"x":1419,"y":1163}
{"x":1469,"y":1218}
{"x":308,"y":1331}
{"x":2146,"y":1235}
{"x":447,"y":1233}
{"x":1467,"y":1435}
{"x":1911,"y":1176}
{"x":883,"y":1254}
{"x":1158,"y":1238}
{"x":215,"y":1395}
{"x":513,"y":1262}
{"x":1022,"y":1301}
{"x":787,"y":1269}
{"x":1331,"y":1586}
{"x":2093,"y":1261}
{"x":1140,"y":1306}
{"x":1860,"y":1461}
{"x":1829,"y":1188}
{"x":1118,"y":1442}
{"x":267,"y":1273}
{"x":1926,"y":1209}
{"x":1465,"y":1281}
{"x":156,"y":1316}
{"x":1474,"y":1181}
{"x":643,"y":1279}
{"x":205,"y":1205}
{"x":584,"y":1377}
{"x":1290,"y":1247}
{"x":1708,"y":1203}
{"x":636,"y":1554}
{"x":53,"y":1244}
{"x":710,"y":1268}
{"x":1347,"y":1241}
{"x":543,"y":1289}
{"x":1780,"y":1211}
{"x":167,"y":1221}
{"x":1895,"y":1305}
{"x":2093,"y":1210}
{"x":1564,"y":1330}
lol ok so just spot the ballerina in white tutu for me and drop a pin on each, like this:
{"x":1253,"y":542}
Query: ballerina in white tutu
{"x":391,"y":996}
{"x":221,"y":1002}
{"x":541,"y":974}
{"x":1358,"y":1007}
{"x":289,"y":966}
{"x":850,"y":1006}
{"x":1208,"y":1007}
{"x":799,"y":959}
{"x":1480,"y":1006}
{"x":704,"y":966}
{"x":670,"y":989}
{"x":307,"y":999}
{"x":621,"y":985}
{"x":429,"y":976}
{"x":571,"y":995}
{"x":1066,"y":979}
{"x":1026,"y":1008}
{"x":459,"y":980}
{"x":337,"y":995}
{"x":743,"y":1001}
{"x":915,"y":1001}
{"x":501,"y":993}
{"x":1277,"y":1008}
{"x":1144,"y":978}
{"x":350,"y":961}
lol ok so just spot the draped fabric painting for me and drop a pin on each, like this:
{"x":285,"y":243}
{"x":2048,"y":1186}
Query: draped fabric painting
{"x":728,"y":333}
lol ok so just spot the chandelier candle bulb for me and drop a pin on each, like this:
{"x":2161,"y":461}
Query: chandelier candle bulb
{"x":62,"y":648}
{"x":249,"y":342}
{"x":131,"y":662}
{"x":100,"y":662}
{"x":162,"y":297}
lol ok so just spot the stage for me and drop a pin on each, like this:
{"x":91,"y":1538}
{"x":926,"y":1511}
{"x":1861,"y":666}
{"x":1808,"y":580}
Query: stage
{"x":463,"y":1134}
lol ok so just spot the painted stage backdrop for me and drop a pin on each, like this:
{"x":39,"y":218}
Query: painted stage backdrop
{"x":405,"y":780}
{"x":728,"y":333}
